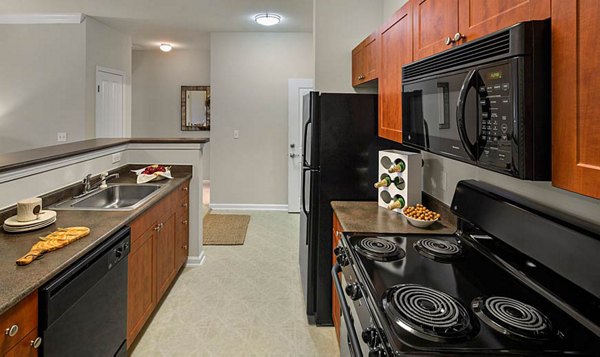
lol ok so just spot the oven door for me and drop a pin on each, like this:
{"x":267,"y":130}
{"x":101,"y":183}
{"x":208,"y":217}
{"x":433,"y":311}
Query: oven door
{"x":440,"y":115}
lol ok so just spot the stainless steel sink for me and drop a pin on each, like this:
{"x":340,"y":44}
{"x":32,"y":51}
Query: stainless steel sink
{"x":117,"y":197}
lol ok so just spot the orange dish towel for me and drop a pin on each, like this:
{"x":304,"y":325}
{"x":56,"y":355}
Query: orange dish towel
{"x":55,"y":240}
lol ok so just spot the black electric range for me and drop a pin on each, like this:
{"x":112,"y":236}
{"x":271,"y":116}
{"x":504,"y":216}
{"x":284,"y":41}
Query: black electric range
{"x":475,"y":292}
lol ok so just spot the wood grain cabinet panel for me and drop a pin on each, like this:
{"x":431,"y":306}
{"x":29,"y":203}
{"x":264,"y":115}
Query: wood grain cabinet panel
{"x":396,"y":50}
{"x":479,"y":18}
{"x":22,"y":319}
{"x":26,"y":347}
{"x":183,"y":235}
{"x":165,"y":255}
{"x":434,"y":22}
{"x":365,"y":60}
{"x":141,"y":291}
{"x":336,"y":312}
{"x":575,"y":96}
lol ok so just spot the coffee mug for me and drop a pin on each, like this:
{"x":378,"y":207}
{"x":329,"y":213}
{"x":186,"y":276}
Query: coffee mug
{"x":29,"y":209}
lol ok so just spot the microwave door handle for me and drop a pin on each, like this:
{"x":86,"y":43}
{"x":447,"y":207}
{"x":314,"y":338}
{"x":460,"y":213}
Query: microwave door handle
{"x":426,"y":129}
{"x":460,"y":114}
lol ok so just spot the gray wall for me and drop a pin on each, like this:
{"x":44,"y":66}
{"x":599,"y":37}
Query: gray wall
{"x":48,"y":80}
{"x":157,"y":81}
{"x":340,"y":25}
{"x":42,"y":79}
{"x":108,"y":48}
{"x":390,"y":7}
{"x":249,"y":83}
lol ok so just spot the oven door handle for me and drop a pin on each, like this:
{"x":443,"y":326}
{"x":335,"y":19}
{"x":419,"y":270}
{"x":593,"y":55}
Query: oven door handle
{"x":355,"y":345}
{"x":460,"y":114}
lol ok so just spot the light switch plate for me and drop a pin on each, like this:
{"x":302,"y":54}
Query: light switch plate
{"x":236,"y":134}
{"x":116,"y":157}
{"x":61,"y":137}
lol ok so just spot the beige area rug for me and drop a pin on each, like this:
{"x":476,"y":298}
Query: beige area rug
{"x":225,"y":229}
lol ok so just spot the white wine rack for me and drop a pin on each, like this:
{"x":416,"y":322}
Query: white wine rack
{"x":405,"y":183}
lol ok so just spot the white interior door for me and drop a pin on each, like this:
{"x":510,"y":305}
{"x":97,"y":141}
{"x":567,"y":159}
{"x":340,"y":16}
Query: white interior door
{"x":297,"y":88}
{"x":109,"y":104}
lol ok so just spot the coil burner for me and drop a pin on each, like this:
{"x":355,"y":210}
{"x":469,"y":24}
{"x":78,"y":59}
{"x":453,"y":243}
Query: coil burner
{"x":512,"y":317}
{"x":437,"y":249}
{"x":428,"y":313}
{"x":380,"y":249}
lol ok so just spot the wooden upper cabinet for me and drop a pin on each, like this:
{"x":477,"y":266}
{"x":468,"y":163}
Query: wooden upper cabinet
{"x":478,"y":18}
{"x":575,"y":96}
{"x":434,"y":22}
{"x":396,"y":51}
{"x":365,"y":60}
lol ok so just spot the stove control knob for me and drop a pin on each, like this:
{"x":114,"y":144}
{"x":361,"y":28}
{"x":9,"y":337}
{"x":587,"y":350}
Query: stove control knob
{"x":369,"y":336}
{"x":341,"y":257}
{"x":353,"y":290}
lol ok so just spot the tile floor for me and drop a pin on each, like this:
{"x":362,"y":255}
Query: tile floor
{"x":244,"y":301}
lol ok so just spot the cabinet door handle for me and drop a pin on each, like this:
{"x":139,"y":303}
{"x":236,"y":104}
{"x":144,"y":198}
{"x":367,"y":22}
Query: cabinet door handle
{"x":458,"y":36}
{"x":185,"y":189}
{"x":185,"y":222}
{"x":157,"y":228}
{"x":12,"y":331}
{"x":449,"y":41}
{"x":185,"y":246}
{"x":36,"y":343}
{"x":184,"y":205}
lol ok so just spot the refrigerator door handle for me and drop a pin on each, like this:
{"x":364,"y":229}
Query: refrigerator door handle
{"x":303,"y":190}
{"x":304,"y":142}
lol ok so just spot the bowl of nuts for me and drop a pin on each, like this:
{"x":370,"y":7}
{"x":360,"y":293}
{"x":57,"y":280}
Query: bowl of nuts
{"x":420,"y":216}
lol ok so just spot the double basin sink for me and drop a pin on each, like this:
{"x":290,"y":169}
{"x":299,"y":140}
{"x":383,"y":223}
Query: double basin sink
{"x":116,"y":197}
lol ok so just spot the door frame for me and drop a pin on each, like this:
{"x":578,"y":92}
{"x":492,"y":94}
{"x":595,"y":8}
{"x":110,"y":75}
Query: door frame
{"x":295,"y":118}
{"x":116,"y":72}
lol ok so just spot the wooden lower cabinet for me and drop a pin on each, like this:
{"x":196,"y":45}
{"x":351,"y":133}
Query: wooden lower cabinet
{"x":183,"y":235}
{"x":141,"y":292}
{"x":155,"y":257}
{"x":336,"y":311}
{"x":22,"y":320}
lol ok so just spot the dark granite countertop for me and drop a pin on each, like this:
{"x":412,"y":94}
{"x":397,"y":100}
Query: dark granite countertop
{"x":14,"y":160}
{"x":368,"y":217}
{"x":16,"y":282}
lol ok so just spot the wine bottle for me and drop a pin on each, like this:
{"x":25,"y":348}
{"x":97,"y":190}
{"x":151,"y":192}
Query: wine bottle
{"x":397,"y":202}
{"x":398,"y":166}
{"x":386,"y":181}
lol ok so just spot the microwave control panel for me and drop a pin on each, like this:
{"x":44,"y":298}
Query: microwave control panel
{"x":495,"y":117}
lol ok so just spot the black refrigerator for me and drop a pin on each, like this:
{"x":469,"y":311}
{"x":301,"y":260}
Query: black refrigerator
{"x":340,"y":149}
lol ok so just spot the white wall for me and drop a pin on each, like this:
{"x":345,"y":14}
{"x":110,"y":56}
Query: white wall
{"x":42,"y":78}
{"x":249,"y":83}
{"x":390,"y":7}
{"x":109,"y":48}
{"x":340,"y":25}
{"x":157,"y":81}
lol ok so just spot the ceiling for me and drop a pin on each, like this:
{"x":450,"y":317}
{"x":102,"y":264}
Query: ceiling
{"x":184,"y":23}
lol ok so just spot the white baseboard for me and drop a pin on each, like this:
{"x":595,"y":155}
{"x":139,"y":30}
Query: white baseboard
{"x":246,"y":207}
{"x":196,"y":261}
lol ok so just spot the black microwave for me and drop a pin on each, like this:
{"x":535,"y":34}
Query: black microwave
{"x":486,"y":102}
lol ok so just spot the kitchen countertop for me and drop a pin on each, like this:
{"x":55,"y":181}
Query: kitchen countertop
{"x":368,"y":217}
{"x":16,"y":282}
{"x":14,"y":160}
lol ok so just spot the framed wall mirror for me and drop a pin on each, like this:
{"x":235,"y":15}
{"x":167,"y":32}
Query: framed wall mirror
{"x":195,"y":108}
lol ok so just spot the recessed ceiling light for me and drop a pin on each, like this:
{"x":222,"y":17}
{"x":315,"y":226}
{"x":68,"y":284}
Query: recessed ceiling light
{"x":267,"y":19}
{"x":165,"y":47}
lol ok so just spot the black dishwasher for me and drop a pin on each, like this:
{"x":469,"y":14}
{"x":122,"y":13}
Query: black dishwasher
{"x":83,"y":311}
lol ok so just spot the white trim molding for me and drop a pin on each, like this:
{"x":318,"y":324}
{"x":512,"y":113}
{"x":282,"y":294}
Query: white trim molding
{"x":37,"y":19}
{"x":247,"y":207}
{"x":196,"y":261}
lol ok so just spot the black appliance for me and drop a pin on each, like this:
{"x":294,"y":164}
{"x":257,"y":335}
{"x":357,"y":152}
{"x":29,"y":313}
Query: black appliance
{"x":516,"y":278}
{"x":83,"y":310}
{"x":339,"y":163}
{"x":486,"y":102}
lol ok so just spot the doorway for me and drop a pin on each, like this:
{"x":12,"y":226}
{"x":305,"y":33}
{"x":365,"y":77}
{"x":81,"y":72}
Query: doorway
{"x":109,"y":103}
{"x":297,"y":88}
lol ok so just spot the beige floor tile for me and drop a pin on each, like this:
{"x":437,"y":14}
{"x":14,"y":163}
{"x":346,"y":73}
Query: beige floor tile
{"x":244,"y":301}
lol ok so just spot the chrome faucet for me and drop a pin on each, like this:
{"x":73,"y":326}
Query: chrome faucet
{"x":89,"y":188}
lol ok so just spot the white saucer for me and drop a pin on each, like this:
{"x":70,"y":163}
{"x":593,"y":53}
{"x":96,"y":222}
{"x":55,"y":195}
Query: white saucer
{"x":44,"y":217}
{"x":10,"y":229}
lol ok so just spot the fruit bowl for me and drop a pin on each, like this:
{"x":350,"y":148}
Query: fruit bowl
{"x":432,"y":217}
{"x":153,"y":173}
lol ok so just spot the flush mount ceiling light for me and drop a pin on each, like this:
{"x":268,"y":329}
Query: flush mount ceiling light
{"x":165,"y":47}
{"x":267,"y":19}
